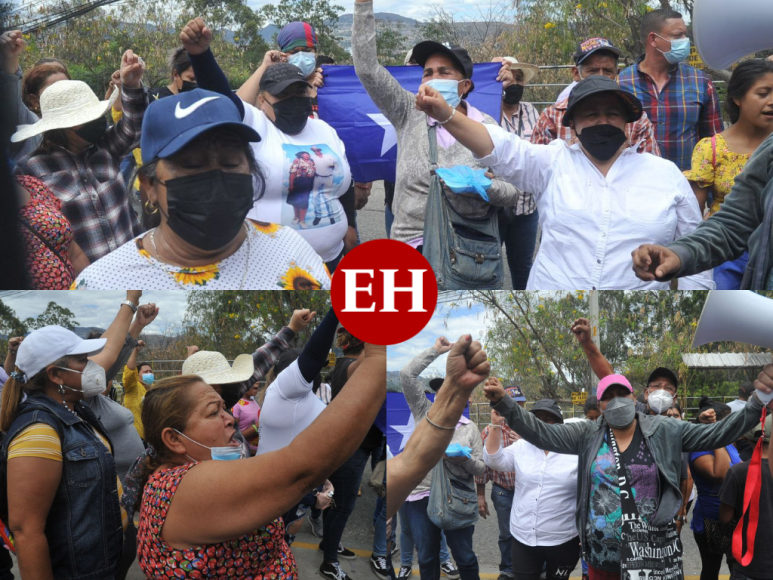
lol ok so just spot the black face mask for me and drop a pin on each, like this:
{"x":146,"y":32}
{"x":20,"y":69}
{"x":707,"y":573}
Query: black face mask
{"x":292,"y":114}
{"x":93,"y":131}
{"x":513,"y":94}
{"x":208,"y":209}
{"x":188,"y":86}
{"x":602,"y":141}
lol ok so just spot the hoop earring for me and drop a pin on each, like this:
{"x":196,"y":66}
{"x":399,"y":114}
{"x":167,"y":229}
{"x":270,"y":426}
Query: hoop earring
{"x":150,"y":206}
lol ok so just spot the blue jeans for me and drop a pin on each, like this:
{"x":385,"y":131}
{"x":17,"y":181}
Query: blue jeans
{"x":379,"y":531}
{"x":346,"y":483}
{"x":427,"y":538}
{"x":729,"y":275}
{"x":520,"y":239}
{"x":503,"y":504}
{"x":407,"y":545}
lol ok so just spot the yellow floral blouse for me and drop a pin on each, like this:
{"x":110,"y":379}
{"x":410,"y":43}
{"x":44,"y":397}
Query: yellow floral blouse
{"x":720,"y":175}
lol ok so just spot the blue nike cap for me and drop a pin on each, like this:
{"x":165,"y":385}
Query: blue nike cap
{"x":171,"y":123}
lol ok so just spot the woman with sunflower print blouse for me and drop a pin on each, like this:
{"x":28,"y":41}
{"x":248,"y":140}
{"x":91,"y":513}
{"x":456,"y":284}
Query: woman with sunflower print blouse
{"x":225,"y":517}
{"x":198,"y":181}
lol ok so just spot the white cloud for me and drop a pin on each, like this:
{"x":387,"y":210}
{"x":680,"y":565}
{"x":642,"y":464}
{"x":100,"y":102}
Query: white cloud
{"x":461,"y":321}
{"x":98,"y":308}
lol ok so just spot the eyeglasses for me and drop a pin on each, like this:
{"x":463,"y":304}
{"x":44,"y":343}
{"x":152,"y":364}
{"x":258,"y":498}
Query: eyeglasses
{"x":658,"y":386}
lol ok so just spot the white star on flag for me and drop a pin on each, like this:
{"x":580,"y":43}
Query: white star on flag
{"x":405,"y":431}
{"x":390,"y":135}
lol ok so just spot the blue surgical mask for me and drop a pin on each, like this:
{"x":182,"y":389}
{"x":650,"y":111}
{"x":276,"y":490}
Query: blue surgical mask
{"x":680,"y":50}
{"x":148,"y":379}
{"x":219,"y":453}
{"x":306,"y":61}
{"x":448,"y":89}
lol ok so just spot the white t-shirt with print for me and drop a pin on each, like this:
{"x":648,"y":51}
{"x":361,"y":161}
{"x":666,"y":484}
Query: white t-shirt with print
{"x":273,"y":257}
{"x":275,"y":153}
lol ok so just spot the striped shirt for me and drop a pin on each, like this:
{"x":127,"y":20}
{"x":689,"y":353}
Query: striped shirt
{"x":522,"y":124}
{"x":94,"y":196}
{"x":685,"y":111}
{"x":42,"y":441}
{"x":504,"y":479}
{"x":549,"y":128}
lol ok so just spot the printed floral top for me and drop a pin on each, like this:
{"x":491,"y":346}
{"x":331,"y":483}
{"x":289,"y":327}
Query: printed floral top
{"x":303,"y":168}
{"x":47,"y":261}
{"x":263,"y":554}
{"x":717,"y":174}
{"x":274,"y":257}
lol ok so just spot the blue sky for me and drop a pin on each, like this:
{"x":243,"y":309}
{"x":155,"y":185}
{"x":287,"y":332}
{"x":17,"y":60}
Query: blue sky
{"x":98,"y":308}
{"x":463,"y":320}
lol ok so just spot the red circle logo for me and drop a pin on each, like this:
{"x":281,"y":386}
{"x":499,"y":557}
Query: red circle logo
{"x":384,"y":292}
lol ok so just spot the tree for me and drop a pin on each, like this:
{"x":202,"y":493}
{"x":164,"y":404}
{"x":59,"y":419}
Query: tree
{"x":321,"y":14}
{"x":10,"y":325}
{"x":54,"y":314}
{"x":391,"y":43}
{"x":235,"y":322}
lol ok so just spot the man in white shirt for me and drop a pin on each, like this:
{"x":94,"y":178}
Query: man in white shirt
{"x":597,"y":198}
{"x":745,"y":390}
{"x":323,"y":182}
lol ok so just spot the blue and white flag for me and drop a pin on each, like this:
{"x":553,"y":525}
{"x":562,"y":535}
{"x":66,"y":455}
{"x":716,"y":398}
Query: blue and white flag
{"x":400,"y":424}
{"x":370,"y":140}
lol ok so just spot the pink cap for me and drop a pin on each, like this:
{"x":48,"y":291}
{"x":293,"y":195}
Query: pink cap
{"x":610,"y":380}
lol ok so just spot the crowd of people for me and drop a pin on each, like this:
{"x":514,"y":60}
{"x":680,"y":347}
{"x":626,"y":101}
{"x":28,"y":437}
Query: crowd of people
{"x":611,"y":491}
{"x":87,"y":482}
{"x":193,"y":184}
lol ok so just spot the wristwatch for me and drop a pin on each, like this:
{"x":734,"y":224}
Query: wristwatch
{"x":131,"y":305}
{"x":679,"y":519}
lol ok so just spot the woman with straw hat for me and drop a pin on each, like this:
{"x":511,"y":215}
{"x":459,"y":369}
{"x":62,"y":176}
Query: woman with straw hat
{"x":79,"y":158}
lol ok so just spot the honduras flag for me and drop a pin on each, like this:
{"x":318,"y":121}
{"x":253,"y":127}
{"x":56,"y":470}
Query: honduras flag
{"x":370,"y":140}
{"x":400,"y":422}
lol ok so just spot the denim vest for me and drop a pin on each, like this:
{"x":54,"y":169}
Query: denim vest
{"x":83,"y":528}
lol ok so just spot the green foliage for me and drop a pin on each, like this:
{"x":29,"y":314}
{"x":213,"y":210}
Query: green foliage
{"x":237,"y":322}
{"x":321,"y":14}
{"x":391,"y":44}
{"x":10,"y":325}
{"x":53,"y":314}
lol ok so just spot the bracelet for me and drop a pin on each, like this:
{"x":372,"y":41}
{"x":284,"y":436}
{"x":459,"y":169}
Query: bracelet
{"x":438,"y":426}
{"x":494,"y":426}
{"x":256,"y":428}
{"x":441,"y":123}
{"x":131,"y":305}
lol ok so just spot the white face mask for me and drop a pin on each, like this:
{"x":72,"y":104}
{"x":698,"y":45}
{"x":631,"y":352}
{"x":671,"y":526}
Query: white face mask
{"x":219,"y":453}
{"x":660,"y":401}
{"x":93,"y":381}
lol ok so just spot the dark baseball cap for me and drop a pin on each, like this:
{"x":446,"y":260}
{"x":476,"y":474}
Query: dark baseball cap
{"x":598,"y":84}
{"x":436,"y":383}
{"x":171,"y":123}
{"x":664,"y":373}
{"x":590,"y":45}
{"x":422,"y":51}
{"x":280,"y":76}
{"x":515,"y":392}
{"x":550,"y":406}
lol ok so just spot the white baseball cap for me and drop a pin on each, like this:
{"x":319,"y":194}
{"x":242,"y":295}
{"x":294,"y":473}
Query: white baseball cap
{"x":50,"y":343}
{"x":214,"y":369}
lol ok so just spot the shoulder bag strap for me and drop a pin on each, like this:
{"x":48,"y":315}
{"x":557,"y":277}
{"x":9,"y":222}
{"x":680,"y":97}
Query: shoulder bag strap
{"x":626,"y":493}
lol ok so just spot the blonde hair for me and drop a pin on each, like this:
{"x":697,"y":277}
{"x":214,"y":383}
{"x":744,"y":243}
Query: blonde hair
{"x":13,"y":390}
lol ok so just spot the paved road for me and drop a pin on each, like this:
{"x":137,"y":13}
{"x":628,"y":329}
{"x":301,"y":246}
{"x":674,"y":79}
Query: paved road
{"x":487,"y":550}
{"x":358,"y":536}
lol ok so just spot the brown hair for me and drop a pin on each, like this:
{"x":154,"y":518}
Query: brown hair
{"x":166,"y":404}
{"x":14,"y":389}
{"x":34,"y":80}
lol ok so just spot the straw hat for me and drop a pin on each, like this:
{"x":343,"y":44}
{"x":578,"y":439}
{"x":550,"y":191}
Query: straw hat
{"x":63,"y":105}
{"x":213,"y":367}
{"x":529,"y":70}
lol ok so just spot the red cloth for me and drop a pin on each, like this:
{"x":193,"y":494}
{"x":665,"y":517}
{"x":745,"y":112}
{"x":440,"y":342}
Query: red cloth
{"x":594,"y":574}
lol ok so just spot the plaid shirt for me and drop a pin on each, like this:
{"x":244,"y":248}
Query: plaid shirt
{"x":93,"y":193}
{"x":685,"y":111}
{"x":267,"y":355}
{"x":522,"y":124}
{"x":504,"y":479}
{"x":549,"y":128}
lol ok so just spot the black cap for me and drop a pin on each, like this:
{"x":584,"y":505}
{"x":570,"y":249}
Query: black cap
{"x":278,"y":77}
{"x":598,"y":84}
{"x":746,"y":388}
{"x":422,"y":51}
{"x":550,"y":406}
{"x":435,"y":384}
{"x":589,"y":46}
{"x":664,"y":373}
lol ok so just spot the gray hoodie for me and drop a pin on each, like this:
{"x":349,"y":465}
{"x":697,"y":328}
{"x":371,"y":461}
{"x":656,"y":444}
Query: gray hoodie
{"x":466,"y":435}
